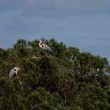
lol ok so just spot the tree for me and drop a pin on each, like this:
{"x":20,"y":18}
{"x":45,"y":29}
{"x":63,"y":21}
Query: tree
{"x":66,"y":79}
{"x":49,"y":73}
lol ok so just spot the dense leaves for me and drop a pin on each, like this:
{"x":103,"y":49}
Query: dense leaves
{"x":66,"y":79}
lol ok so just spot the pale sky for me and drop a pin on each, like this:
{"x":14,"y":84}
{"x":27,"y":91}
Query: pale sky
{"x":81,"y":23}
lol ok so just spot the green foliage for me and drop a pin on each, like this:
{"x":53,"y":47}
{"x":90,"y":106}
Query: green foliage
{"x":66,"y":79}
{"x":49,"y":73}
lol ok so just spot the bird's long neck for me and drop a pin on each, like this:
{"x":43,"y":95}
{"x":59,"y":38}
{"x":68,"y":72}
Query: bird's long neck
{"x":40,"y":43}
{"x":17,"y":70}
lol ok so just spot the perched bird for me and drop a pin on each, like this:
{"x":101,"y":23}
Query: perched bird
{"x":14,"y":72}
{"x":98,"y":70}
{"x":44,"y":47}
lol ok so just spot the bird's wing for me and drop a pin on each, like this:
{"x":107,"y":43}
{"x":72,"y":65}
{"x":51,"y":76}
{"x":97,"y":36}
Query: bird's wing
{"x":46,"y":47}
{"x":12,"y":73}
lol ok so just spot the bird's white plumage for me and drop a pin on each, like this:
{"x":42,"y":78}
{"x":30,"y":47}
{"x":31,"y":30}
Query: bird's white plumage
{"x":13,"y":72}
{"x":44,"y":46}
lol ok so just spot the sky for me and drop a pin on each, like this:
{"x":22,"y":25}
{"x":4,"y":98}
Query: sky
{"x":84,"y":24}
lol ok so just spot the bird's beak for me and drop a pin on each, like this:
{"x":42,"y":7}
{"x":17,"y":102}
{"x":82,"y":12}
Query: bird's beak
{"x":19,"y":68}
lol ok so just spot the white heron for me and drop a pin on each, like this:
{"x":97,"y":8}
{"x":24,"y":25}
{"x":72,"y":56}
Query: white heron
{"x":44,"y":46}
{"x":13,"y":72}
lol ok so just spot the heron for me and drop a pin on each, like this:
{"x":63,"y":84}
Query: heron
{"x":44,"y":46}
{"x":13,"y":72}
